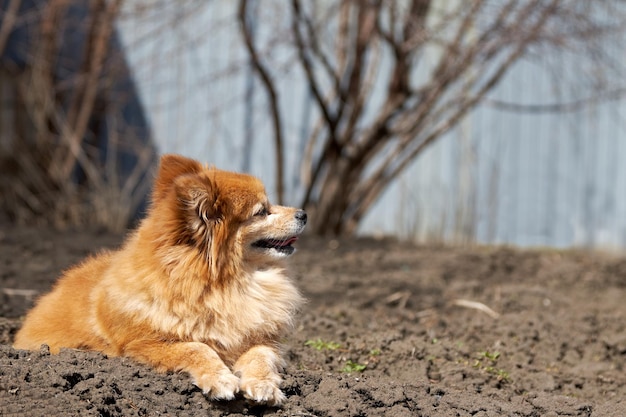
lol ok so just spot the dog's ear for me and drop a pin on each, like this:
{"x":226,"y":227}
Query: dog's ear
{"x":171,"y":167}
{"x":198,"y":197}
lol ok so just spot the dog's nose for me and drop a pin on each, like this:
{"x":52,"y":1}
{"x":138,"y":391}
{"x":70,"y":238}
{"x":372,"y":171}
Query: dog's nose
{"x":301,"y":216}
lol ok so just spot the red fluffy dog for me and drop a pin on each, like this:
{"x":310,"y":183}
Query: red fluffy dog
{"x":198,"y":287}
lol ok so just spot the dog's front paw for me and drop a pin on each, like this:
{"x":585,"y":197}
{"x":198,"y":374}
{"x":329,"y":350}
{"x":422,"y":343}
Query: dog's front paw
{"x":222,"y":385}
{"x":264,"y":391}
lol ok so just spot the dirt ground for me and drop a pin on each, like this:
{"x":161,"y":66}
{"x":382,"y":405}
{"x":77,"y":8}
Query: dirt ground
{"x":387,"y":331}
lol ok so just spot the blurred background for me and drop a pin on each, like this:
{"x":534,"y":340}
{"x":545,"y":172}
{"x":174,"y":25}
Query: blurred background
{"x":454,"y":121}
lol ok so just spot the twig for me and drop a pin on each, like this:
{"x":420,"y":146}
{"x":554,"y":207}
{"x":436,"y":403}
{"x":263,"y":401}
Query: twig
{"x":20,"y":292}
{"x":401,"y":297}
{"x":477,"y":306}
{"x":425,"y":313}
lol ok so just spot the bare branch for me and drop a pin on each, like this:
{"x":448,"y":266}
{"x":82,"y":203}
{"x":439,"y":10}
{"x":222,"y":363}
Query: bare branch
{"x":331,"y":145}
{"x":8,"y":21}
{"x":563,"y":107}
{"x":397,"y":161}
{"x":81,"y":109}
{"x":266,"y":79}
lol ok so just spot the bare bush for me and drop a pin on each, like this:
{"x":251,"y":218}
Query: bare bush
{"x":445,"y":57}
{"x":69,"y":137}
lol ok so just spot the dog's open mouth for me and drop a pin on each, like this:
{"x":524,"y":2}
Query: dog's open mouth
{"x":281,"y":245}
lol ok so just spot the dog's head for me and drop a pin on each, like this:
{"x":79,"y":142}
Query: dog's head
{"x":224,"y":216}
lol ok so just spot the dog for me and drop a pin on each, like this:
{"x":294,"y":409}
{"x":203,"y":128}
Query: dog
{"x":200,"y":286}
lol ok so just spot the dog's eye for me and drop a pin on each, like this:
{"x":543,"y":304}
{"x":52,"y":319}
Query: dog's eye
{"x":262,"y":212}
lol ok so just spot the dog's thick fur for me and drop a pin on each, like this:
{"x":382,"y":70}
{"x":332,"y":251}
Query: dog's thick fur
{"x":198,"y":287}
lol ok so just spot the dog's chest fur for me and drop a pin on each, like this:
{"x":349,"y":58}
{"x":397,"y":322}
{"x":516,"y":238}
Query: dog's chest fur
{"x":261,"y":305}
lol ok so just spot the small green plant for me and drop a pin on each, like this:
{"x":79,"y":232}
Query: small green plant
{"x":351,"y":367}
{"x":319,"y":344}
{"x":492,"y":356}
{"x":502,"y":375}
{"x":375,"y":352}
{"x":487,"y":362}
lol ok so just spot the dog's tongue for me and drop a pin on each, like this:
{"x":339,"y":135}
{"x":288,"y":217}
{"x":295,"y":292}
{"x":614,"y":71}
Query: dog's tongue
{"x":288,"y":241}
